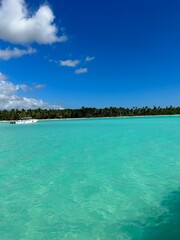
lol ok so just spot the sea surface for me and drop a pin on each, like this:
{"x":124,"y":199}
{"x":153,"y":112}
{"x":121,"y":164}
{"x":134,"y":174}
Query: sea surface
{"x":96,"y":179}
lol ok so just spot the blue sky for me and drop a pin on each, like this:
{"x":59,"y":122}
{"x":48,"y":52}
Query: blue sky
{"x":94,"y":53}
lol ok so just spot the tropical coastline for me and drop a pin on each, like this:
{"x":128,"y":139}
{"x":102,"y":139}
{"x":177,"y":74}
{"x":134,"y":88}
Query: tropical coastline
{"x":116,"y":117}
{"x":66,"y":119}
{"x":89,"y":120}
{"x":95,"y":118}
{"x":86,"y":112}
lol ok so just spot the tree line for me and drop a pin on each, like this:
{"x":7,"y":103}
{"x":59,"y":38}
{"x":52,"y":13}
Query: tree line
{"x":85,"y":112}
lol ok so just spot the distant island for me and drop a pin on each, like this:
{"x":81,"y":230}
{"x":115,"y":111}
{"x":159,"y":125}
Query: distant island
{"x":85,"y":112}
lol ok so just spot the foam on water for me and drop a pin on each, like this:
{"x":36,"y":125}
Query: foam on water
{"x":98,"y":179}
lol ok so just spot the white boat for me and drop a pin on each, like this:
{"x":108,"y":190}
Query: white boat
{"x":24,"y":120}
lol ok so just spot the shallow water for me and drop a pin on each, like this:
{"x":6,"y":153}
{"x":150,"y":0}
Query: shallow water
{"x":98,"y":179}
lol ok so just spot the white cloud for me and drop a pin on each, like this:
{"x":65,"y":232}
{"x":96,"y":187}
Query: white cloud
{"x":39,"y":86}
{"x":89,"y":59}
{"x":81,"y":70}
{"x":53,"y":61}
{"x":63,"y":38}
{"x":9,"y":98}
{"x":69,"y":63}
{"x":18,"y":25}
{"x":15,"y":53}
{"x":2,"y":77}
{"x":24,"y":87}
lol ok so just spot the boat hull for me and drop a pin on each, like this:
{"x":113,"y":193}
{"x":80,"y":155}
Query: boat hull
{"x":24,"y":121}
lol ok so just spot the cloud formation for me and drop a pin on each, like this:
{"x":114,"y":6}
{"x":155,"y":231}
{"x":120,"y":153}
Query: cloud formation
{"x":81,"y":70}
{"x":9,"y":98}
{"x":89,"y":59}
{"x":2,"y":77}
{"x":18,"y":26}
{"x":26,"y":88}
{"x":39,"y":86}
{"x":69,"y":63}
{"x":7,"y":54}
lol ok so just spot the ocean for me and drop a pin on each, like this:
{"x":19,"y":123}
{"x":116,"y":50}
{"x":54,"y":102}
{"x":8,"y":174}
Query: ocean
{"x":91,"y":179}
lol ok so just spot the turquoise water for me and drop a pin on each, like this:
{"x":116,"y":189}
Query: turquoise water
{"x":98,"y":179}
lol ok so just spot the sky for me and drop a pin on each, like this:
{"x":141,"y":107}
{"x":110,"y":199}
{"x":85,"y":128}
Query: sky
{"x":92,"y":53}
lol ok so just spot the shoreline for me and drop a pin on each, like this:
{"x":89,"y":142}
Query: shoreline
{"x":67,"y":119}
{"x":61,"y":119}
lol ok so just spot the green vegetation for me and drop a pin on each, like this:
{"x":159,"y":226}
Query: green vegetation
{"x":86,"y":112}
